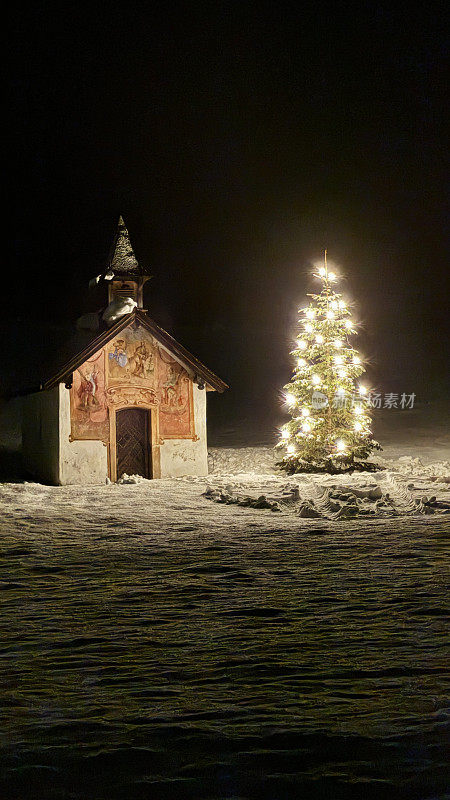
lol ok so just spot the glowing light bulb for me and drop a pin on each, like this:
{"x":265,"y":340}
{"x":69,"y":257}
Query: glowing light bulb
{"x":334,"y":304}
{"x":316,"y":379}
{"x":337,"y":343}
{"x":306,"y":427}
{"x":362,"y":390}
{"x":330,"y":315}
{"x":305,"y":412}
{"x":302,"y":344}
{"x":340,"y":446}
{"x":338,"y":360}
{"x":331,"y":276}
{"x":340,"y":390}
{"x":357,"y":410}
{"x":357,"y":426}
{"x":308,"y":327}
{"x":342,"y":373}
{"x":310,"y":313}
{"x":290,"y":449}
{"x":322,"y":272}
{"x":319,"y":338}
{"x":341,"y":304}
{"x":301,"y":362}
{"x":290,"y":399}
{"x":284,"y":434}
{"x":356,"y":360}
{"x":348,"y":323}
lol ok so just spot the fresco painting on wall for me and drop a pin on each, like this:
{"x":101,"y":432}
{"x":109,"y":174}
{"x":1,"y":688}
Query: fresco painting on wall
{"x":127,"y":362}
{"x":131,"y":358}
{"x":89,"y":411}
{"x":176,"y":418}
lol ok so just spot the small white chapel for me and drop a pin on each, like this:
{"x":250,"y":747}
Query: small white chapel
{"x":133,"y":400}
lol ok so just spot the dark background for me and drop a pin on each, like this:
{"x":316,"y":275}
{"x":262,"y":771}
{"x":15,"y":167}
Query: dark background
{"x":237,"y":144}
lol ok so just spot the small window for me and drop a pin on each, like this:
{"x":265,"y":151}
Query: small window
{"x":125,"y":290}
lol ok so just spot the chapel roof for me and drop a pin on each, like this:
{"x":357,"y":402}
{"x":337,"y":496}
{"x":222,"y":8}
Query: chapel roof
{"x":190,"y":362}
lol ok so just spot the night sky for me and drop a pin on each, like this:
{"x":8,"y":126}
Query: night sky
{"x":237,"y":144}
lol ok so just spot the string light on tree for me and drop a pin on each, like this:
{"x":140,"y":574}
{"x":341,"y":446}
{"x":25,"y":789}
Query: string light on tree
{"x":327,"y":433}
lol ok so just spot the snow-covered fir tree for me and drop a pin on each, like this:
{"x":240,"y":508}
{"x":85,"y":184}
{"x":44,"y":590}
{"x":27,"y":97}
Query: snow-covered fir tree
{"x":330,"y":426}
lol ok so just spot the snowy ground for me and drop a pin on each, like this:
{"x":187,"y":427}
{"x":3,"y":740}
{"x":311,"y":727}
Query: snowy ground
{"x":414,"y":481}
{"x":161,"y":640}
{"x":247,"y":486}
{"x":415,"y":478}
{"x":157,"y":644}
{"x":248,"y":477}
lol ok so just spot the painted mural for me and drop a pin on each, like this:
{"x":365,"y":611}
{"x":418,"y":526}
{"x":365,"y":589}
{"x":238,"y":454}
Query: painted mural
{"x":131,"y":358}
{"x":89,"y":411}
{"x":131,"y":369}
{"x":175,"y":391}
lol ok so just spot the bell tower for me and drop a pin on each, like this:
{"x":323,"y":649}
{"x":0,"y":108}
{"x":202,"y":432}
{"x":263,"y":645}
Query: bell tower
{"x":124,"y":275}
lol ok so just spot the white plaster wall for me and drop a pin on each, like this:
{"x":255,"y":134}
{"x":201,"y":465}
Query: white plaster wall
{"x":183,"y":456}
{"x":50,"y":456}
{"x":40,"y":435}
{"x":46,"y":450}
{"x":80,"y":462}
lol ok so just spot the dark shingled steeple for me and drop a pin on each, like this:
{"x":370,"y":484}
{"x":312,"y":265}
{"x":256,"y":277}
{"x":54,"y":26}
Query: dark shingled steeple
{"x":122,"y":260}
{"x":123,"y":275}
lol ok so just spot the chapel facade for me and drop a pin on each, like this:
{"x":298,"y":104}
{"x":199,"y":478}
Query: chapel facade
{"x":133,"y":400}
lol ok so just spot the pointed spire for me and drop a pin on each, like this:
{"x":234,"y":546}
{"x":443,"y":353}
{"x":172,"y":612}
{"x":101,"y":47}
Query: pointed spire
{"x":122,"y":260}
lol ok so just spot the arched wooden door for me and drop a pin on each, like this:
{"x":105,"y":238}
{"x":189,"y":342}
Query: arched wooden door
{"x":133,"y":442}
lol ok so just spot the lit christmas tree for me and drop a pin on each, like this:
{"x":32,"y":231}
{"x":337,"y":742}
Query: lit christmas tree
{"x":330,"y":426}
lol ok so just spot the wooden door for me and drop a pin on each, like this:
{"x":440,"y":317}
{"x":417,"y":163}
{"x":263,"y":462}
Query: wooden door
{"x":133,"y":442}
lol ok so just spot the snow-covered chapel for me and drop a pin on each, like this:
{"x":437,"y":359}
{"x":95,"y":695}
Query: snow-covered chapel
{"x":132,"y":400}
